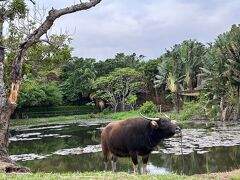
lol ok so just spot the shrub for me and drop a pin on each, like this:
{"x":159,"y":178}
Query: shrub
{"x":148,"y":108}
{"x":106,"y":111}
{"x":33,"y":93}
{"x":53,"y":94}
{"x":190,"y":111}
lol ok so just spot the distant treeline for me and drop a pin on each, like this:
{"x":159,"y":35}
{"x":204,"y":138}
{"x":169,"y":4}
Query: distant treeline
{"x":126,"y":81}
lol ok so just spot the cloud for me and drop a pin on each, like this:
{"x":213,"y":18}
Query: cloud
{"x":146,"y":27}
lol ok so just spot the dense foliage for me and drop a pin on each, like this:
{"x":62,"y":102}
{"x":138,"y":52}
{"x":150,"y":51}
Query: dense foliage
{"x":34,"y":93}
{"x":208,"y":74}
{"x":148,"y":108}
{"x":77,"y":78}
{"x":221,"y":76}
{"x":180,"y":67}
{"x":118,"y":87}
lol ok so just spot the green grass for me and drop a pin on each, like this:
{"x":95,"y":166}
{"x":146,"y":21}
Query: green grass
{"x":115,"y":176}
{"x":190,"y":110}
{"x":122,"y":115}
{"x":36,"y":112}
{"x":90,"y":175}
{"x":79,"y":118}
{"x":74,"y":118}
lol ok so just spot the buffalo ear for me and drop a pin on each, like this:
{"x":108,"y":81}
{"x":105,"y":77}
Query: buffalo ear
{"x":154,"y":124}
{"x":173,"y":121}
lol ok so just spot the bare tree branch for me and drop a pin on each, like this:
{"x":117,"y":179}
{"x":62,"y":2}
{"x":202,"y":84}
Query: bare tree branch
{"x":44,"y":27}
{"x":33,"y":2}
{"x":48,"y":41}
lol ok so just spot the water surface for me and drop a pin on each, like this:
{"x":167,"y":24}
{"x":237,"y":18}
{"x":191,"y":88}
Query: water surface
{"x":76,"y":147}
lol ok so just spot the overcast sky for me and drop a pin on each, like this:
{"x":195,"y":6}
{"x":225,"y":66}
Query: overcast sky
{"x":145,"y":27}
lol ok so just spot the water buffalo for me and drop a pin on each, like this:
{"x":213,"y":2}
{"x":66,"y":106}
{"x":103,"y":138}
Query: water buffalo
{"x":133,"y":137}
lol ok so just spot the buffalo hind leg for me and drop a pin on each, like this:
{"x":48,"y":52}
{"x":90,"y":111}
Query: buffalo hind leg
{"x":145,"y":160}
{"x":114,"y":162}
{"x":135,"y":162}
{"x":105,"y":154}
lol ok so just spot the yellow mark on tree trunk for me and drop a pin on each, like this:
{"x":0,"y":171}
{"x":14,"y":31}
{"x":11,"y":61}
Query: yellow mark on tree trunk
{"x":14,"y":92}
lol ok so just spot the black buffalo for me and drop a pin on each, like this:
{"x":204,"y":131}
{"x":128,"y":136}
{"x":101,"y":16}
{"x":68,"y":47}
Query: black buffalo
{"x":133,"y":137}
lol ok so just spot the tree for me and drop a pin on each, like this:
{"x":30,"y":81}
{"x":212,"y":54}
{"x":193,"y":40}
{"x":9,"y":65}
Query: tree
{"x":34,"y":93}
{"x":191,"y":54}
{"x":118,"y":86}
{"x":171,"y":73}
{"x":77,"y":77}
{"x":120,"y":61}
{"x":180,"y":68}
{"x":104,"y":89}
{"x":150,"y":69}
{"x":221,"y":77}
{"x":9,"y":100}
{"x":131,"y":101}
{"x":128,"y":81}
{"x":49,"y":56}
{"x":43,"y":57}
{"x":232,"y":52}
{"x":213,"y":80}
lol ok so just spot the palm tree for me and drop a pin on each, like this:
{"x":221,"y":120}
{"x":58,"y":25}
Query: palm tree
{"x":191,"y":53}
{"x":170,"y":74}
{"x":180,"y":67}
{"x":221,"y":73}
{"x":213,"y":81}
{"x":233,"y":70}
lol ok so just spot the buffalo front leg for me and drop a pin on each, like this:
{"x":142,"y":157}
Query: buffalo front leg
{"x":114,"y":162}
{"x":135,"y":162}
{"x":105,"y":154}
{"x":105,"y":160}
{"x":105,"y":165}
{"x":145,"y":160}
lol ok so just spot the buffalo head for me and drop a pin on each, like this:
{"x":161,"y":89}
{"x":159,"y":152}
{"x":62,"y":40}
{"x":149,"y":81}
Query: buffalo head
{"x":164,"y":125}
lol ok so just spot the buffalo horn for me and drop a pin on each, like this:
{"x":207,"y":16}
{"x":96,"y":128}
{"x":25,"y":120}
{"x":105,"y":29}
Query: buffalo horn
{"x":151,"y":119}
{"x":166,"y":115}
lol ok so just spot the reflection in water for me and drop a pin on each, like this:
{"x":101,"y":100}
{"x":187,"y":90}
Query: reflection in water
{"x":27,"y":157}
{"x":88,"y":149}
{"x":76,"y":148}
{"x":155,"y":169}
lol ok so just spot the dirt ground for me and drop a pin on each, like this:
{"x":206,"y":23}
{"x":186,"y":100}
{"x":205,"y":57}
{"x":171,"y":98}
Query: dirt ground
{"x":220,"y":176}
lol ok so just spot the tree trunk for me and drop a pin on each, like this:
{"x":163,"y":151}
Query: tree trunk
{"x":115,"y":108}
{"x":156,"y":95}
{"x":123,"y":104}
{"x":132,"y":107}
{"x":177,"y":102}
{"x":238,"y":105}
{"x":6,"y":109}
{"x":2,"y":85}
{"x":190,"y":84}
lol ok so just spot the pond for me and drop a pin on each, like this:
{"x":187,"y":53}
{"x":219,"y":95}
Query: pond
{"x":76,"y":148}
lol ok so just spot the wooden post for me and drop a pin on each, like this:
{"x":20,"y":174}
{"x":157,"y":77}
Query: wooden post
{"x":160,"y":108}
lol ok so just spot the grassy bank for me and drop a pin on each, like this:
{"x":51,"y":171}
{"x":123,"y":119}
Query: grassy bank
{"x":78,"y":118}
{"x":190,"y":110}
{"x":121,"y":175}
{"x":74,"y":118}
{"x":91,"y":175}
